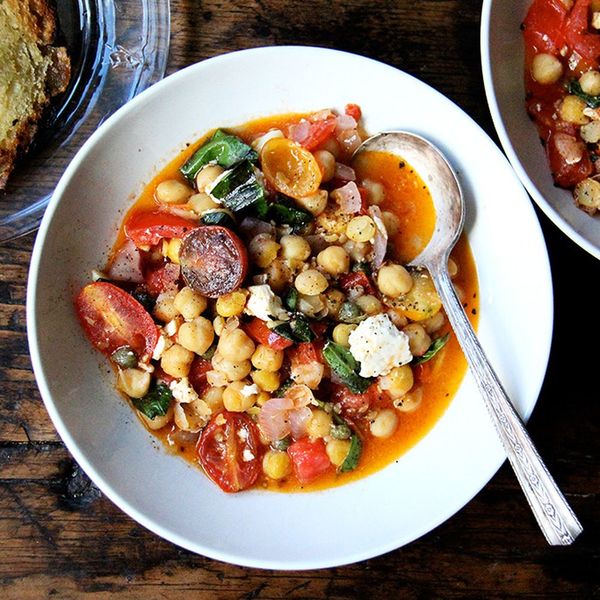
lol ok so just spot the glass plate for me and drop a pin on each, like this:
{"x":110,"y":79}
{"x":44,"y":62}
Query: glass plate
{"x":117,"y":49}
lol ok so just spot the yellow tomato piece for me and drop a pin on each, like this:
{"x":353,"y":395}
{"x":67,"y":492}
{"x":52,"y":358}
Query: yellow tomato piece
{"x":290,"y":168}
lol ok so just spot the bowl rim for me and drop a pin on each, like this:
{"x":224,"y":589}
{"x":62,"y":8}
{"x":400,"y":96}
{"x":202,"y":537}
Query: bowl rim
{"x":509,"y":149}
{"x":80,"y":456}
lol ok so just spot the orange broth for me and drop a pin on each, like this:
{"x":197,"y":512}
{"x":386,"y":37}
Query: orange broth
{"x":407,"y":196}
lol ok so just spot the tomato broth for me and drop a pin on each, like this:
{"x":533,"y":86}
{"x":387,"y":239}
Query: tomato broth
{"x":408,"y":199}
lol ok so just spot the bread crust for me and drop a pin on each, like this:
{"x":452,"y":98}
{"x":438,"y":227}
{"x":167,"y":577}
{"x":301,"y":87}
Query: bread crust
{"x":35,"y":24}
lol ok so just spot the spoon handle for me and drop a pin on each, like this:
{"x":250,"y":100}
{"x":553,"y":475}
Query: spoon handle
{"x":552,"y":512}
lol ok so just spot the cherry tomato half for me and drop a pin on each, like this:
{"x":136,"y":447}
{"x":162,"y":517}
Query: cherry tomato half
{"x":228,"y":450}
{"x":309,"y":459}
{"x":148,"y":228}
{"x":111,"y":318}
{"x":257,"y":329}
{"x":290,"y":168}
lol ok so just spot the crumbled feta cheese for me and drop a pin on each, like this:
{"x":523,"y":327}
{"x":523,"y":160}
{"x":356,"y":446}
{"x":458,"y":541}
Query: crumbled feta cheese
{"x":379,"y":346}
{"x":171,"y":327}
{"x":159,"y":348}
{"x":183,"y":391}
{"x":264,"y":304}
{"x":247,"y":455}
{"x":249,"y":390}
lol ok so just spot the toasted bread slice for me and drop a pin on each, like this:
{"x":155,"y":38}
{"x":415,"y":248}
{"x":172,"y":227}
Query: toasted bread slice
{"x":32,"y":70}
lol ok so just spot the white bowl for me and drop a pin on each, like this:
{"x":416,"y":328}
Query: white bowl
{"x":162,"y":492}
{"x":502,"y":62}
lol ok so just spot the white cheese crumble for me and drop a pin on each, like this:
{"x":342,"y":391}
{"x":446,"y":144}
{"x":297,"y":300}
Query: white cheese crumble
{"x":159,"y":348}
{"x":247,"y":455}
{"x":264,"y":304}
{"x":249,"y":390}
{"x":171,"y":327}
{"x":183,"y":391}
{"x":379,"y":346}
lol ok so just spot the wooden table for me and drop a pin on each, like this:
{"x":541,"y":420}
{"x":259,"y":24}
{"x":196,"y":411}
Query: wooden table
{"x":60,"y":538}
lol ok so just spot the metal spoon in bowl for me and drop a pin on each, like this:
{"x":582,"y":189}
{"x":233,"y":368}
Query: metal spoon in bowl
{"x":553,"y":514}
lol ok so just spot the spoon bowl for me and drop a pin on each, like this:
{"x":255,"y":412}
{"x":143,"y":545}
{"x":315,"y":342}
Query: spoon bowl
{"x":553,"y":514}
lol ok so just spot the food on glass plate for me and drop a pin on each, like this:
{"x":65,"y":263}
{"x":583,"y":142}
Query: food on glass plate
{"x":258,"y":311}
{"x":32,"y":71}
{"x":562,"y":81}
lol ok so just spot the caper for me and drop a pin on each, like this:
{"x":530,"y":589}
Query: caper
{"x":125,"y":357}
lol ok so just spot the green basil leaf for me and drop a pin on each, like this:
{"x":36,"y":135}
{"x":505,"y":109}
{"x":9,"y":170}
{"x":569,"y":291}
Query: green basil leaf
{"x":223,"y":149}
{"x":285,"y":214}
{"x":575,"y":88}
{"x":351,"y":461}
{"x":433,"y":349}
{"x":345,"y":367}
{"x":218,"y":217}
{"x":156,"y":402}
{"x":291,"y":299}
{"x":297,"y":329}
{"x":239,"y":188}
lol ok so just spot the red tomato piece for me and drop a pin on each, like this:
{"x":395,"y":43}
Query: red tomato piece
{"x":543,"y":26}
{"x":309,"y":459}
{"x":565,"y":174}
{"x":578,"y":35}
{"x":354,"y":111}
{"x":197,"y":375}
{"x":111,"y":318}
{"x":148,"y":228}
{"x":162,"y":278}
{"x":228,"y":450}
{"x":257,"y":329}
{"x":307,"y":352}
{"x":313,"y":134}
{"x":355,"y":404}
{"x":358,"y":279}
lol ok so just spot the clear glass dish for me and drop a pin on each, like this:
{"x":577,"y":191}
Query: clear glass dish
{"x":117,"y":49}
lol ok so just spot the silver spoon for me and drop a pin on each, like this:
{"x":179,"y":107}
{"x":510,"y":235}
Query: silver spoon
{"x":554,"y":516}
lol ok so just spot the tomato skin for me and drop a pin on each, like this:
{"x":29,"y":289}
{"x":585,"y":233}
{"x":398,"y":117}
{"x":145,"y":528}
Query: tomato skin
{"x":543,"y":26}
{"x":257,"y":329}
{"x":197,"y":375}
{"x":578,"y":36}
{"x":564,"y":174}
{"x":162,"y":278}
{"x":222,"y":451}
{"x":356,"y":404}
{"x":111,"y":318}
{"x":358,"y":279}
{"x":305,"y":353}
{"x":148,"y":228}
{"x":354,"y":111}
{"x":309,"y":459}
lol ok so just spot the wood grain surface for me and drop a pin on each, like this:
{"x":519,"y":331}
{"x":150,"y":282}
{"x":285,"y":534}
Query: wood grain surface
{"x":60,"y":538}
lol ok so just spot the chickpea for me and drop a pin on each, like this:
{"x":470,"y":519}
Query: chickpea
{"x":134,"y":382}
{"x":294,"y":248}
{"x":218,"y":325}
{"x":546,"y":68}
{"x":268,"y":381}
{"x":391,"y":222}
{"x":234,"y":371}
{"x":337,"y":451}
{"x":207,"y":176}
{"x":590,"y":83}
{"x":361,"y":229}
{"x":176,"y":361}
{"x":326,"y":162}
{"x":196,"y":335}
{"x":170,"y":249}
{"x":201,"y":202}
{"x":278,"y":275}
{"x":410,"y":401}
{"x":319,"y":424}
{"x":190,"y":303}
{"x":571,"y":110}
{"x":434,"y":323}
{"x":333,"y":146}
{"x":384,"y":424}
{"x":311,"y":282}
{"x":214,"y":398}
{"x":164,"y":309}
{"x":263,"y":250}
{"x":370,"y":305}
{"x":418,"y":339}
{"x":394,"y":280}
{"x":342,"y":332}
{"x":172,"y":191}
{"x":266,"y":358}
{"x":375,"y":190}
{"x":334,"y":300}
{"x":276,"y":465}
{"x":315,"y":203}
{"x":231,"y":304}
{"x":235,"y":400}
{"x":334,"y":260}
{"x":398,"y":381}
{"x":235,"y":345}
